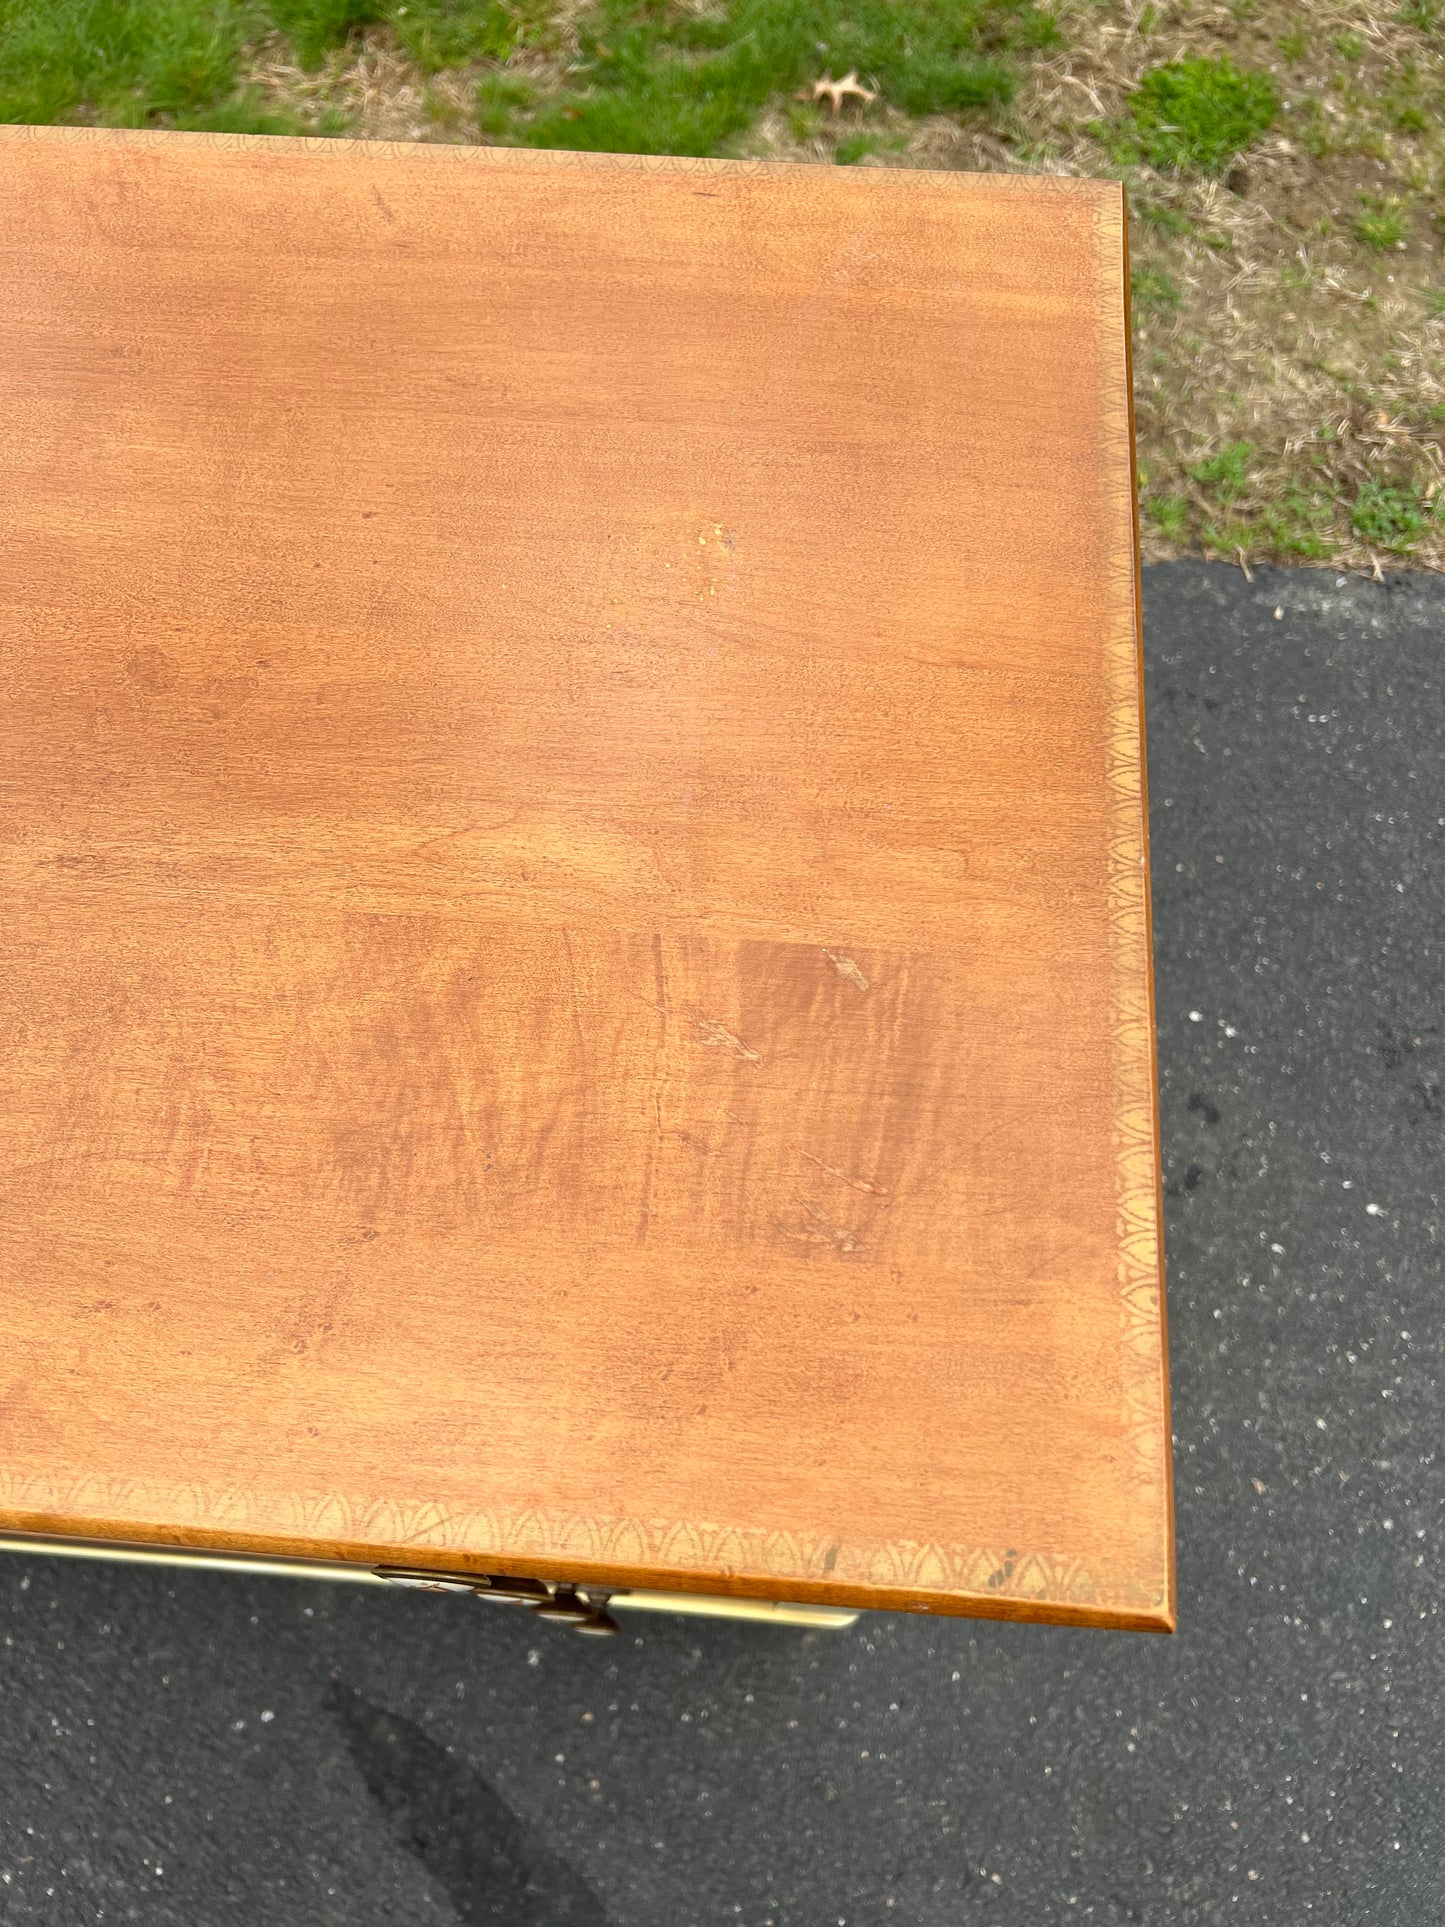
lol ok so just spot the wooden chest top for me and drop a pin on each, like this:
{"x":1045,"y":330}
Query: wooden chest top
{"x":574,"y":972}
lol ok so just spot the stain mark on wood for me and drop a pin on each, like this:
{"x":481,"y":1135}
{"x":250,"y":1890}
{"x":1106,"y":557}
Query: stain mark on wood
{"x":710,"y":1031}
{"x":152,"y":668}
{"x":846,"y":967}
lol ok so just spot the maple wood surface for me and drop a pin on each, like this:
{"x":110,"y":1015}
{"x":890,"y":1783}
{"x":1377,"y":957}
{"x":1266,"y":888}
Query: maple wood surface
{"x":574,"y":973}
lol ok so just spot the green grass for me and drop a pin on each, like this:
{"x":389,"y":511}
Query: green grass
{"x":649,"y":77}
{"x":1294,"y":526}
{"x":498,"y":99}
{"x":314,"y":26}
{"x":437,"y":36}
{"x":1380,"y":223}
{"x":1152,"y":288}
{"x":1160,"y":216}
{"x":1170,"y":515}
{"x":654,"y":80}
{"x":1389,"y":517}
{"x":1226,"y":474}
{"x":1297,"y":525}
{"x":1407,"y":102}
{"x":133,"y":63}
{"x":128,"y":61}
{"x":1227,"y":538}
{"x":1197,"y":114}
{"x":857,"y":147}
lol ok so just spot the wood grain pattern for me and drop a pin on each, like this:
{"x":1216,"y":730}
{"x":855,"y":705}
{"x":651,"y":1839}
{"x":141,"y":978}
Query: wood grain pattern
{"x":575,"y":962}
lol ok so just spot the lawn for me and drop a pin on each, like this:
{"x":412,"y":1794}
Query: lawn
{"x":1285,"y":163}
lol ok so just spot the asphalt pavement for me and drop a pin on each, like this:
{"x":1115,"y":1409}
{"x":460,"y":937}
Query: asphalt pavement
{"x":195,"y":1749}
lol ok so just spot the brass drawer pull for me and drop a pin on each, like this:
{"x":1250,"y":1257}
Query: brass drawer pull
{"x":586,"y":1613}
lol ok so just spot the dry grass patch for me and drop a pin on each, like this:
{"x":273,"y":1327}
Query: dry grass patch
{"x":1289,"y":305}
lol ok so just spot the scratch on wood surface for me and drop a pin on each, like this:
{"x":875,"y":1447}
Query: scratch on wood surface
{"x":846,"y":967}
{"x":694,"y":1143}
{"x":433,"y":1525}
{"x":577,"y":1037}
{"x":644,"y":1214}
{"x":858,"y":1184}
{"x":817,"y":1228}
{"x":712,"y":1032}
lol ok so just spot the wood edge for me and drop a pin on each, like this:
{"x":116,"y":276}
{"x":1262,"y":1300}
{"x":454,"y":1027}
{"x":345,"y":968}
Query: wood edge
{"x":1171,"y":1593}
{"x":1121,"y":1617}
{"x":1074,"y":186}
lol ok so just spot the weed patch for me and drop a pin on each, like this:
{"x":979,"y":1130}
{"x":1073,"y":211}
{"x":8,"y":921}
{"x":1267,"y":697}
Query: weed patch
{"x":1197,"y":113}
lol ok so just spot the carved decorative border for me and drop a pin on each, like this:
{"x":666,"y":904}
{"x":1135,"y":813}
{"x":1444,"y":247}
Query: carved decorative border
{"x":1143,"y":1357}
{"x":964,"y":1576}
{"x":329,"y":1524}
